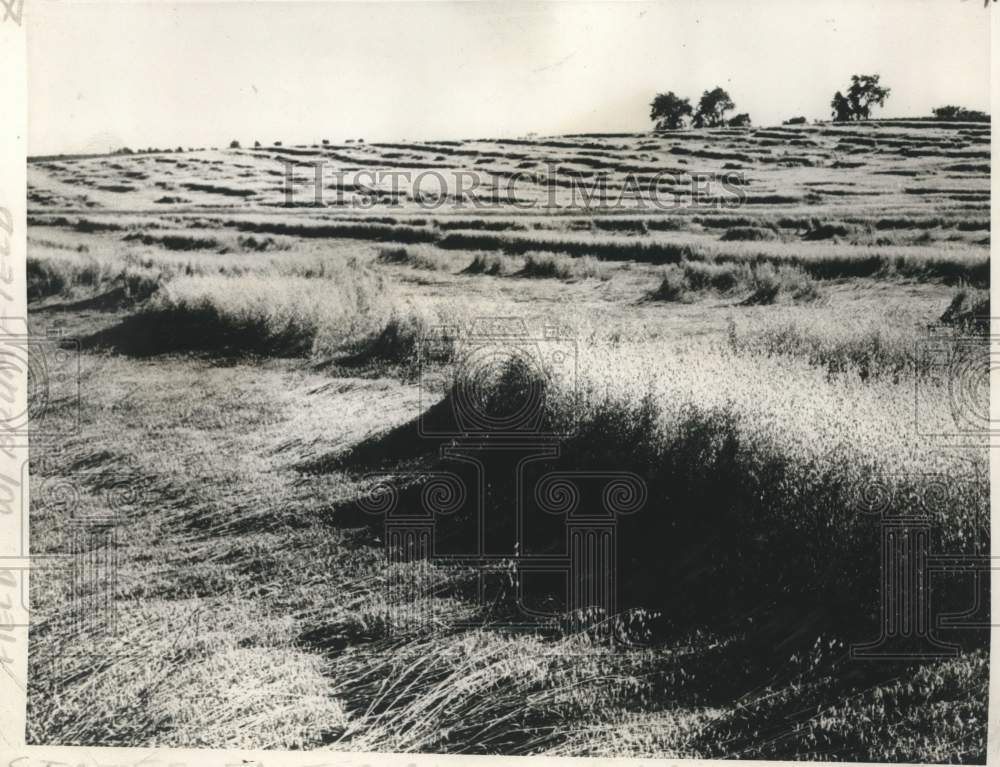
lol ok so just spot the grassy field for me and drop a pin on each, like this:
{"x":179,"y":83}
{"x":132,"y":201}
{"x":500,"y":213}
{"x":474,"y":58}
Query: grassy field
{"x":246,"y":364}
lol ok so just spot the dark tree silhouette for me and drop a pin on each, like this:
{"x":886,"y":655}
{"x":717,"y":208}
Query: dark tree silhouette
{"x":841,"y":108}
{"x":234,"y":144}
{"x":960,"y":114}
{"x":741,"y":120}
{"x":668,"y":111}
{"x":864,"y":93}
{"x":712,"y":108}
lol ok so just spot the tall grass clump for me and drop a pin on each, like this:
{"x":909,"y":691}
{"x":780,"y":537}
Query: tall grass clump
{"x":491,"y":264}
{"x":175,"y":241}
{"x":969,"y":310}
{"x":722,"y":278}
{"x":767,"y":281}
{"x":749,"y":233}
{"x":409,"y":341}
{"x":840,"y":348}
{"x":674,"y":286}
{"x":759,"y":472}
{"x":259,"y":313}
{"x":764,"y":281}
{"x":885,"y":345}
{"x":563,"y":267}
{"x":418,"y":257}
{"x":59,"y":275}
{"x":45,"y":277}
{"x":139,"y":283}
{"x":261,"y":244}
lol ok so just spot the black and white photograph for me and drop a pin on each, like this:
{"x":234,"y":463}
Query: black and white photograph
{"x":546,"y":379}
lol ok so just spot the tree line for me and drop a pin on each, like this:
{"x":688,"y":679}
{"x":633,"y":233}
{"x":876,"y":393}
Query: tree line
{"x":668,"y":111}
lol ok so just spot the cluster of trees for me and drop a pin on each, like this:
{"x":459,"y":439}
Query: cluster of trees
{"x":864,"y":94}
{"x":234,"y":144}
{"x":148,"y":150}
{"x":960,"y":114}
{"x":669,"y":111}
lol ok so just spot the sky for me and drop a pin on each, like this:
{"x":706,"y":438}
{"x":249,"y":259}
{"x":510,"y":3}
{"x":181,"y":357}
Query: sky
{"x":103,"y":75}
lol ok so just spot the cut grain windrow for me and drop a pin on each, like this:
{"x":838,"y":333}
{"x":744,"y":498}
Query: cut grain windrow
{"x":844,"y":261}
{"x":374,"y":232}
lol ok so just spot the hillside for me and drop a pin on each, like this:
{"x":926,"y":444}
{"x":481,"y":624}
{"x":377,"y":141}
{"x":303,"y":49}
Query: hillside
{"x":740,"y":326}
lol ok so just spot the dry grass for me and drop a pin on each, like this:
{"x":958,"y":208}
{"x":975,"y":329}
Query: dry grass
{"x":418,"y":257}
{"x":760,"y":283}
{"x":313,"y":313}
{"x":561,"y":267}
{"x":724,"y":446}
{"x":252,"y":598}
{"x":831,"y":262}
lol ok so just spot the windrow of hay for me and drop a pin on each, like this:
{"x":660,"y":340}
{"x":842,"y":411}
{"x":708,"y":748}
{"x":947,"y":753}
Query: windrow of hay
{"x":763,"y":474}
{"x":285,"y":315}
{"x":830,"y":262}
{"x":72,"y":272}
{"x":417,"y":256}
{"x":342,"y":312}
{"x":762,"y":282}
{"x":58,"y":275}
{"x":563,"y":267}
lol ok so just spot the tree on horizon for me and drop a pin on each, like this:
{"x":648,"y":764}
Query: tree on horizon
{"x":864,"y":93}
{"x":669,"y":111}
{"x":712,"y":108}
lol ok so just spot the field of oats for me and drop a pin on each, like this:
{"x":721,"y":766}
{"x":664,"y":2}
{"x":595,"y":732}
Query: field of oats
{"x":765,"y":362}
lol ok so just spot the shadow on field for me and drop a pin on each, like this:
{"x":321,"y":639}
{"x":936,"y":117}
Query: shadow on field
{"x":109,"y":301}
{"x":162,"y":331}
{"x":396,"y":448}
{"x":731,"y":539}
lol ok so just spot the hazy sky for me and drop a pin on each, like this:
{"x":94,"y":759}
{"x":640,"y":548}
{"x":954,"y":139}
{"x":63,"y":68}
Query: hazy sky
{"x":110,"y":74}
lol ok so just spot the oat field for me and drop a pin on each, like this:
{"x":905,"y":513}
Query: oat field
{"x":257,"y":339}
